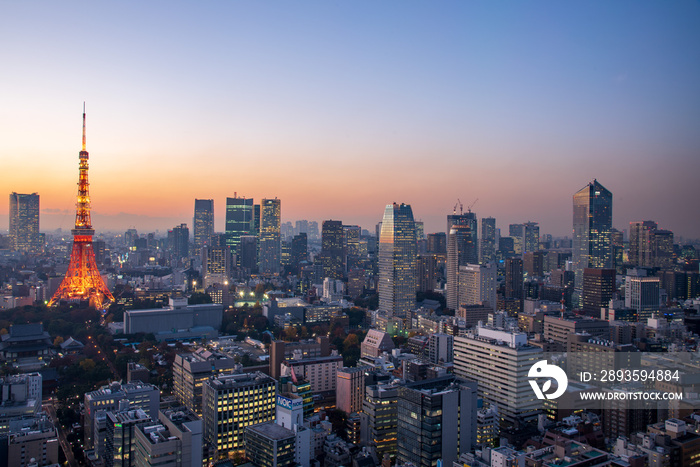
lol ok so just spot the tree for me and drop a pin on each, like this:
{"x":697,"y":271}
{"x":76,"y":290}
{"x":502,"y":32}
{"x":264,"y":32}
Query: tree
{"x":290,"y":333}
{"x":87,"y":365}
{"x":58,"y":341}
{"x":351,"y":341}
{"x":198,"y":298}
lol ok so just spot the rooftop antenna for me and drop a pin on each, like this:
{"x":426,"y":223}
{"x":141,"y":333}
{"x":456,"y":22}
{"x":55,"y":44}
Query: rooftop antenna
{"x":83,"y":125}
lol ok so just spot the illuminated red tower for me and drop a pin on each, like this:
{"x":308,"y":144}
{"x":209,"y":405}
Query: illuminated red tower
{"x":83,"y":281}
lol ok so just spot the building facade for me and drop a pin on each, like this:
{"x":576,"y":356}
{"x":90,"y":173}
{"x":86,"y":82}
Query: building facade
{"x":397,"y":261}
{"x":233,"y":402}
{"x":24,"y":222}
{"x":592,"y":226}
{"x":270,"y":240}
{"x":436,"y":420}
{"x":203,"y":223}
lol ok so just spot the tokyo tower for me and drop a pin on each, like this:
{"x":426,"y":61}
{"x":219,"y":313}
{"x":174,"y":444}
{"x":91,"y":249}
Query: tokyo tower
{"x":83,"y":281}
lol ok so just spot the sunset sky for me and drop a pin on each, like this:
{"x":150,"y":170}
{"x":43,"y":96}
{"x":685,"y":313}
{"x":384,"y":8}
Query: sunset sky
{"x":341,"y":107}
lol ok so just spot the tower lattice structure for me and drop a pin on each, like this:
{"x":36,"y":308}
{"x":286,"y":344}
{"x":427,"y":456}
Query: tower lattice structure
{"x":83,"y":281}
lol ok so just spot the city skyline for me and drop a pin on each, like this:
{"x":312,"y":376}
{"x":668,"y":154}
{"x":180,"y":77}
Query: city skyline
{"x":338,"y":110}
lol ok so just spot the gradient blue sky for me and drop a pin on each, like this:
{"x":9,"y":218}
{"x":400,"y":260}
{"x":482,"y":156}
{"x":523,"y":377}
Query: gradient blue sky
{"x":340,"y":107}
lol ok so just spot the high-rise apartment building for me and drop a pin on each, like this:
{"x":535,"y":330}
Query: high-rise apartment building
{"x":397,"y":261}
{"x":436,"y":420}
{"x":592,"y":226}
{"x":332,"y":250}
{"x":477,"y":284}
{"x":500,"y":361}
{"x":203,"y":223}
{"x":487,"y":250}
{"x":240,"y":216}
{"x":233,"y":402}
{"x":24,"y":222}
{"x":270,"y":240}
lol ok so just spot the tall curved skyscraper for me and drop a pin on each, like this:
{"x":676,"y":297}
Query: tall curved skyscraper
{"x":397,"y":261}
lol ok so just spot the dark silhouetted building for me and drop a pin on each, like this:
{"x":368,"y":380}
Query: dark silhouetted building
{"x":598,"y":289}
{"x":203,"y":223}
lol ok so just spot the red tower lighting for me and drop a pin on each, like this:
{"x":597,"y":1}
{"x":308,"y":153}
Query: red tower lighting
{"x":83,"y":281}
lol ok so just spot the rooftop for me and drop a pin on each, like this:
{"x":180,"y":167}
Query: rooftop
{"x":272,"y":430}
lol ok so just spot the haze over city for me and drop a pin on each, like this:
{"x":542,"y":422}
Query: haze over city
{"x":341,"y":108}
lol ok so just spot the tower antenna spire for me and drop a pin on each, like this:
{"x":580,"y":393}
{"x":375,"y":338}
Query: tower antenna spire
{"x":83,"y":125}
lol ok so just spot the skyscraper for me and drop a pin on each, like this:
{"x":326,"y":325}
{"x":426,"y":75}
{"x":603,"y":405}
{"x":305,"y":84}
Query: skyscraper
{"x":461,"y":250}
{"x":436,"y":420}
{"x":598,"y":289}
{"x":592,"y":237}
{"x":270,"y":241}
{"x":300,"y":251}
{"x":239,"y":220}
{"x":24,"y":222}
{"x":332,"y":251}
{"x":477,"y":284}
{"x":351,"y":245}
{"x":397,"y":261}
{"x":531,"y":236}
{"x":641,"y":251}
{"x":514,"y":278}
{"x":487,"y":252}
{"x":203,"y":223}
{"x":179,"y":242}
{"x":468,"y":239}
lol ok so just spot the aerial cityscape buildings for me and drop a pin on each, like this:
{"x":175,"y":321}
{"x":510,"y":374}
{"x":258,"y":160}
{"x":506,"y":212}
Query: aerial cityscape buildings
{"x":345,"y":331}
{"x":278,"y":345}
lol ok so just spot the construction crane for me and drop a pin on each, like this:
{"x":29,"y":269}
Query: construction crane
{"x":469,"y":208}
{"x":461,"y":207}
